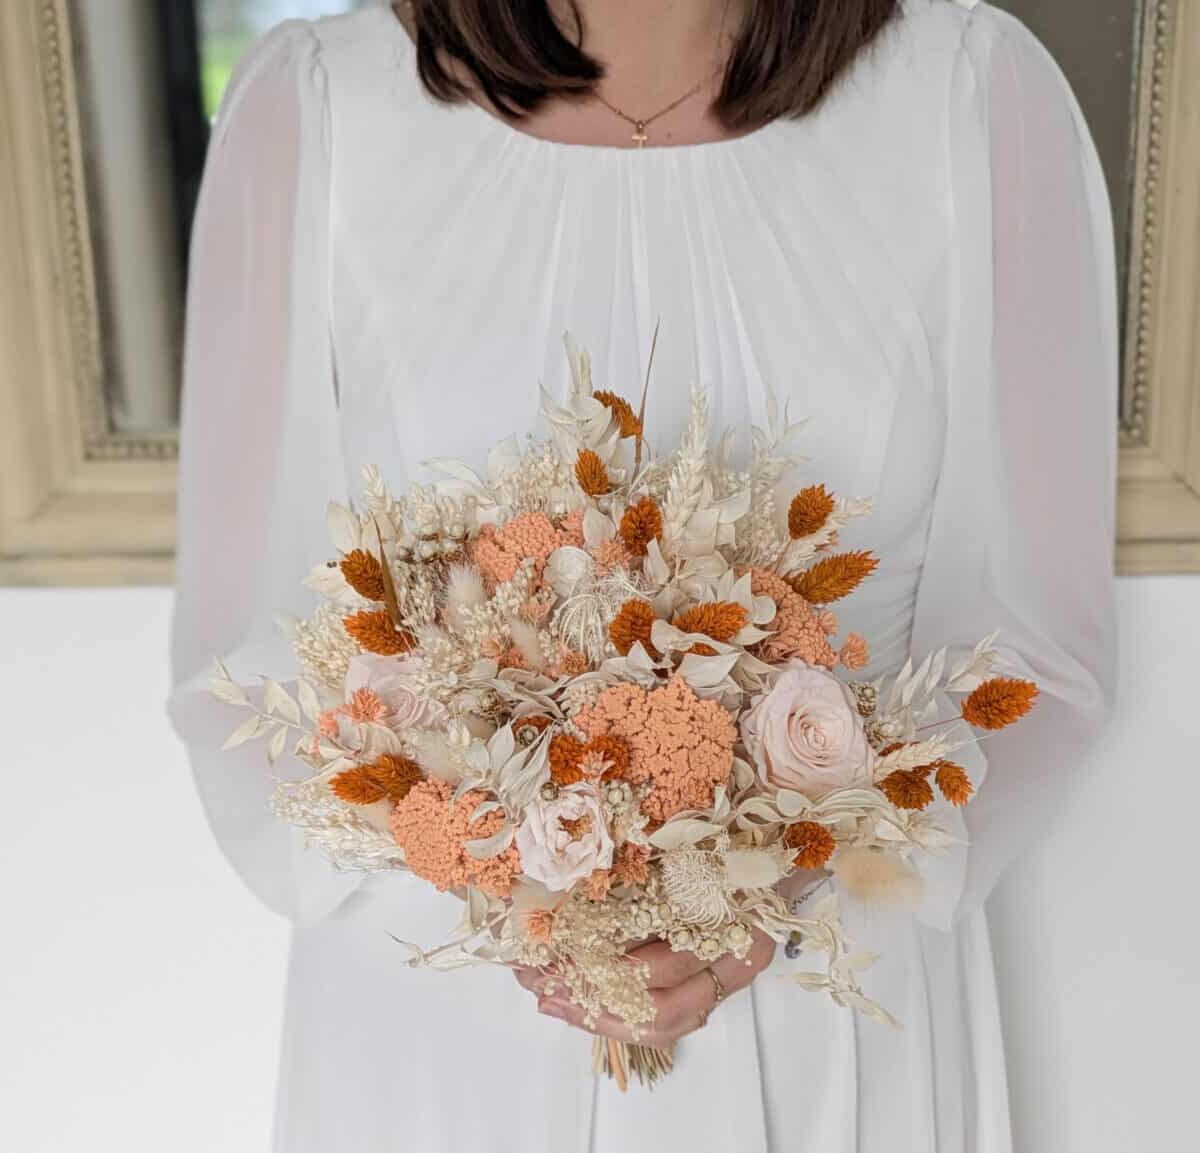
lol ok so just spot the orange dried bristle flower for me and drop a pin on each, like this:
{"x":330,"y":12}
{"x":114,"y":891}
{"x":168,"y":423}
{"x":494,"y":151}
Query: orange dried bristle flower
{"x":908,"y":788}
{"x":953,"y":782}
{"x":611,"y":749}
{"x":591,"y":473}
{"x":998,"y":702}
{"x":375,"y":632}
{"x":390,"y":776}
{"x":834,"y":577}
{"x":700,"y":649}
{"x":813,"y":842}
{"x":641,"y":524}
{"x":633,"y":623}
{"x":623,"y":411}
{"x":566,"y":756}
{"x":721,"y":620}
{"x":363,"y":574}
{"x":809,"y":510}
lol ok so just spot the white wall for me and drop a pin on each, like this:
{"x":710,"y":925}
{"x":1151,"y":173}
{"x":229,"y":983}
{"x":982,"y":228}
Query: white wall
{"x":140,"y":986}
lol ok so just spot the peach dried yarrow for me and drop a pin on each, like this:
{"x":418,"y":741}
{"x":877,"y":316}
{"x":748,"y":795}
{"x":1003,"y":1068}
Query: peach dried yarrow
{"x":680,"y":745}
{"x":433,"y":830}
{"x":797,"y":629}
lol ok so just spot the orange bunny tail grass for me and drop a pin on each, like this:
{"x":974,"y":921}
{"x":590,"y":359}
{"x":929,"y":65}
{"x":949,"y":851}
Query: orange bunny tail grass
{"x":632,"y":623}
{"x":907,"y":789}
{"x":999,"y":702}
{"x":623,"y":411}
{"x":591,"y":473}
{"x":357,"y":787}
{"x":813,"y":842}
{"x":721,"y":620}
{"x":953,"y":782}
{"x":641,"y":524}
{"x":809,"y":510}
{"x":390,"y":776}
{"x":363,"y":574}
{"x":374,"y":632}
{"x":834,"y":577}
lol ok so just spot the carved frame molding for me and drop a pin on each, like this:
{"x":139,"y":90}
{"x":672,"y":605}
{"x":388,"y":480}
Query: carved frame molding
{"x":80,"y":503}
{"x":1159,"y":488}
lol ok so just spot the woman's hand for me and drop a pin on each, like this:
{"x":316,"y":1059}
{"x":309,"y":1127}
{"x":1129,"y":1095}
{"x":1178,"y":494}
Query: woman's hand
{"x":682,"y":986}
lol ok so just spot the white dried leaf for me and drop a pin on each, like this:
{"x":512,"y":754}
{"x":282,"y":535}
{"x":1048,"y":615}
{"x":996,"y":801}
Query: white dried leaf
{"x":345,"y":530}
{"x":247,"y":730}
{"x":277,"y":700}
{"x":684,"y":831}
{"x":226,"y":689}
{"x":278,"y":743}
{"x":310,"y":703}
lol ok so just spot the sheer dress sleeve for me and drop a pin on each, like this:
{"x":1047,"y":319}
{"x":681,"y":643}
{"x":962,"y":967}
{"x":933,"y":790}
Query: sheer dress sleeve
{"x":260,"y":455}
{"x":1022,"y":532}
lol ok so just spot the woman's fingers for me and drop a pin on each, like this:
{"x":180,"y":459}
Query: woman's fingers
{"x":667,"y":968}
{"x":682,"y":987}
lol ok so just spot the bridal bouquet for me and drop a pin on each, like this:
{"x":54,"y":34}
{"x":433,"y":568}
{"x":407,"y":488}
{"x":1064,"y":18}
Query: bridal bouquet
{"x":596,"y":692}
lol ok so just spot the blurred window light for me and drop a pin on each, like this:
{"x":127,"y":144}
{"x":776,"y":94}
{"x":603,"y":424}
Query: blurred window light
{"x":228,"y":27}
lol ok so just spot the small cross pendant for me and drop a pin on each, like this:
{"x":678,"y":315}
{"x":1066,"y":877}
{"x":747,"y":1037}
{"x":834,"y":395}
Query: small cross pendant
{"x":639,"y":134}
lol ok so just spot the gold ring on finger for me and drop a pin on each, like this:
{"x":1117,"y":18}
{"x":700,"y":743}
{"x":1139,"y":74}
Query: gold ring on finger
{"x":718,"y":988}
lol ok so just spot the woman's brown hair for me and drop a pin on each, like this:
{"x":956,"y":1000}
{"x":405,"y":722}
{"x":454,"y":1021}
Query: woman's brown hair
{"x":785,"y":58}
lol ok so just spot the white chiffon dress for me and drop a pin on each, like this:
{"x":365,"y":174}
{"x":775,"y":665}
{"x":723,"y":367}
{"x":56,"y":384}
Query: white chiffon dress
{"x":923,"y":268}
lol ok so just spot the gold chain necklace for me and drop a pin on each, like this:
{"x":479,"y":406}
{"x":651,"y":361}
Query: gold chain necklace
{"x":640,"y":124}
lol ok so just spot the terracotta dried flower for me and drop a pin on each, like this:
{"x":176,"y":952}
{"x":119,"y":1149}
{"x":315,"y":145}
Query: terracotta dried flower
{"x":641,"y":524}
{"x":623,"y":411}
{"x":566,"y":754}
{"x":834,"y":577}
{"x":809,"y":510}
{"x":633,"y":623}
{"x":374,"y":632}
{"x":591,"y":473}
{"x":721,"y":620}
{"x":363,"y":574}
{"x":953,"y":782}
{"x":998,"y":702}
{"x":813,"y":842}
{"x":908,"y":788}
{"x":390,"y":776}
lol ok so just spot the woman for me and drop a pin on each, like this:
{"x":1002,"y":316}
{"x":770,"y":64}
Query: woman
{"x":891,"y":214}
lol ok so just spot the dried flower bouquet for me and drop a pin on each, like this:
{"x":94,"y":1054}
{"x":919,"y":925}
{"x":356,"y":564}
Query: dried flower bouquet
{"x":596,"y":693}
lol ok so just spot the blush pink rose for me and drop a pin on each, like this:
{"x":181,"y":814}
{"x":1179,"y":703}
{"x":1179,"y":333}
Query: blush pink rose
{"x":806,"y":734}
{"x":565,"y":839}
{"x":391,"y":679}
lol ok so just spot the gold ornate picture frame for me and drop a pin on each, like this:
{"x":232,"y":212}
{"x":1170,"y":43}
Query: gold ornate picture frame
{"x":83,"y":503}
{"x":1159,"y":490}
{"x":79,"y":502}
